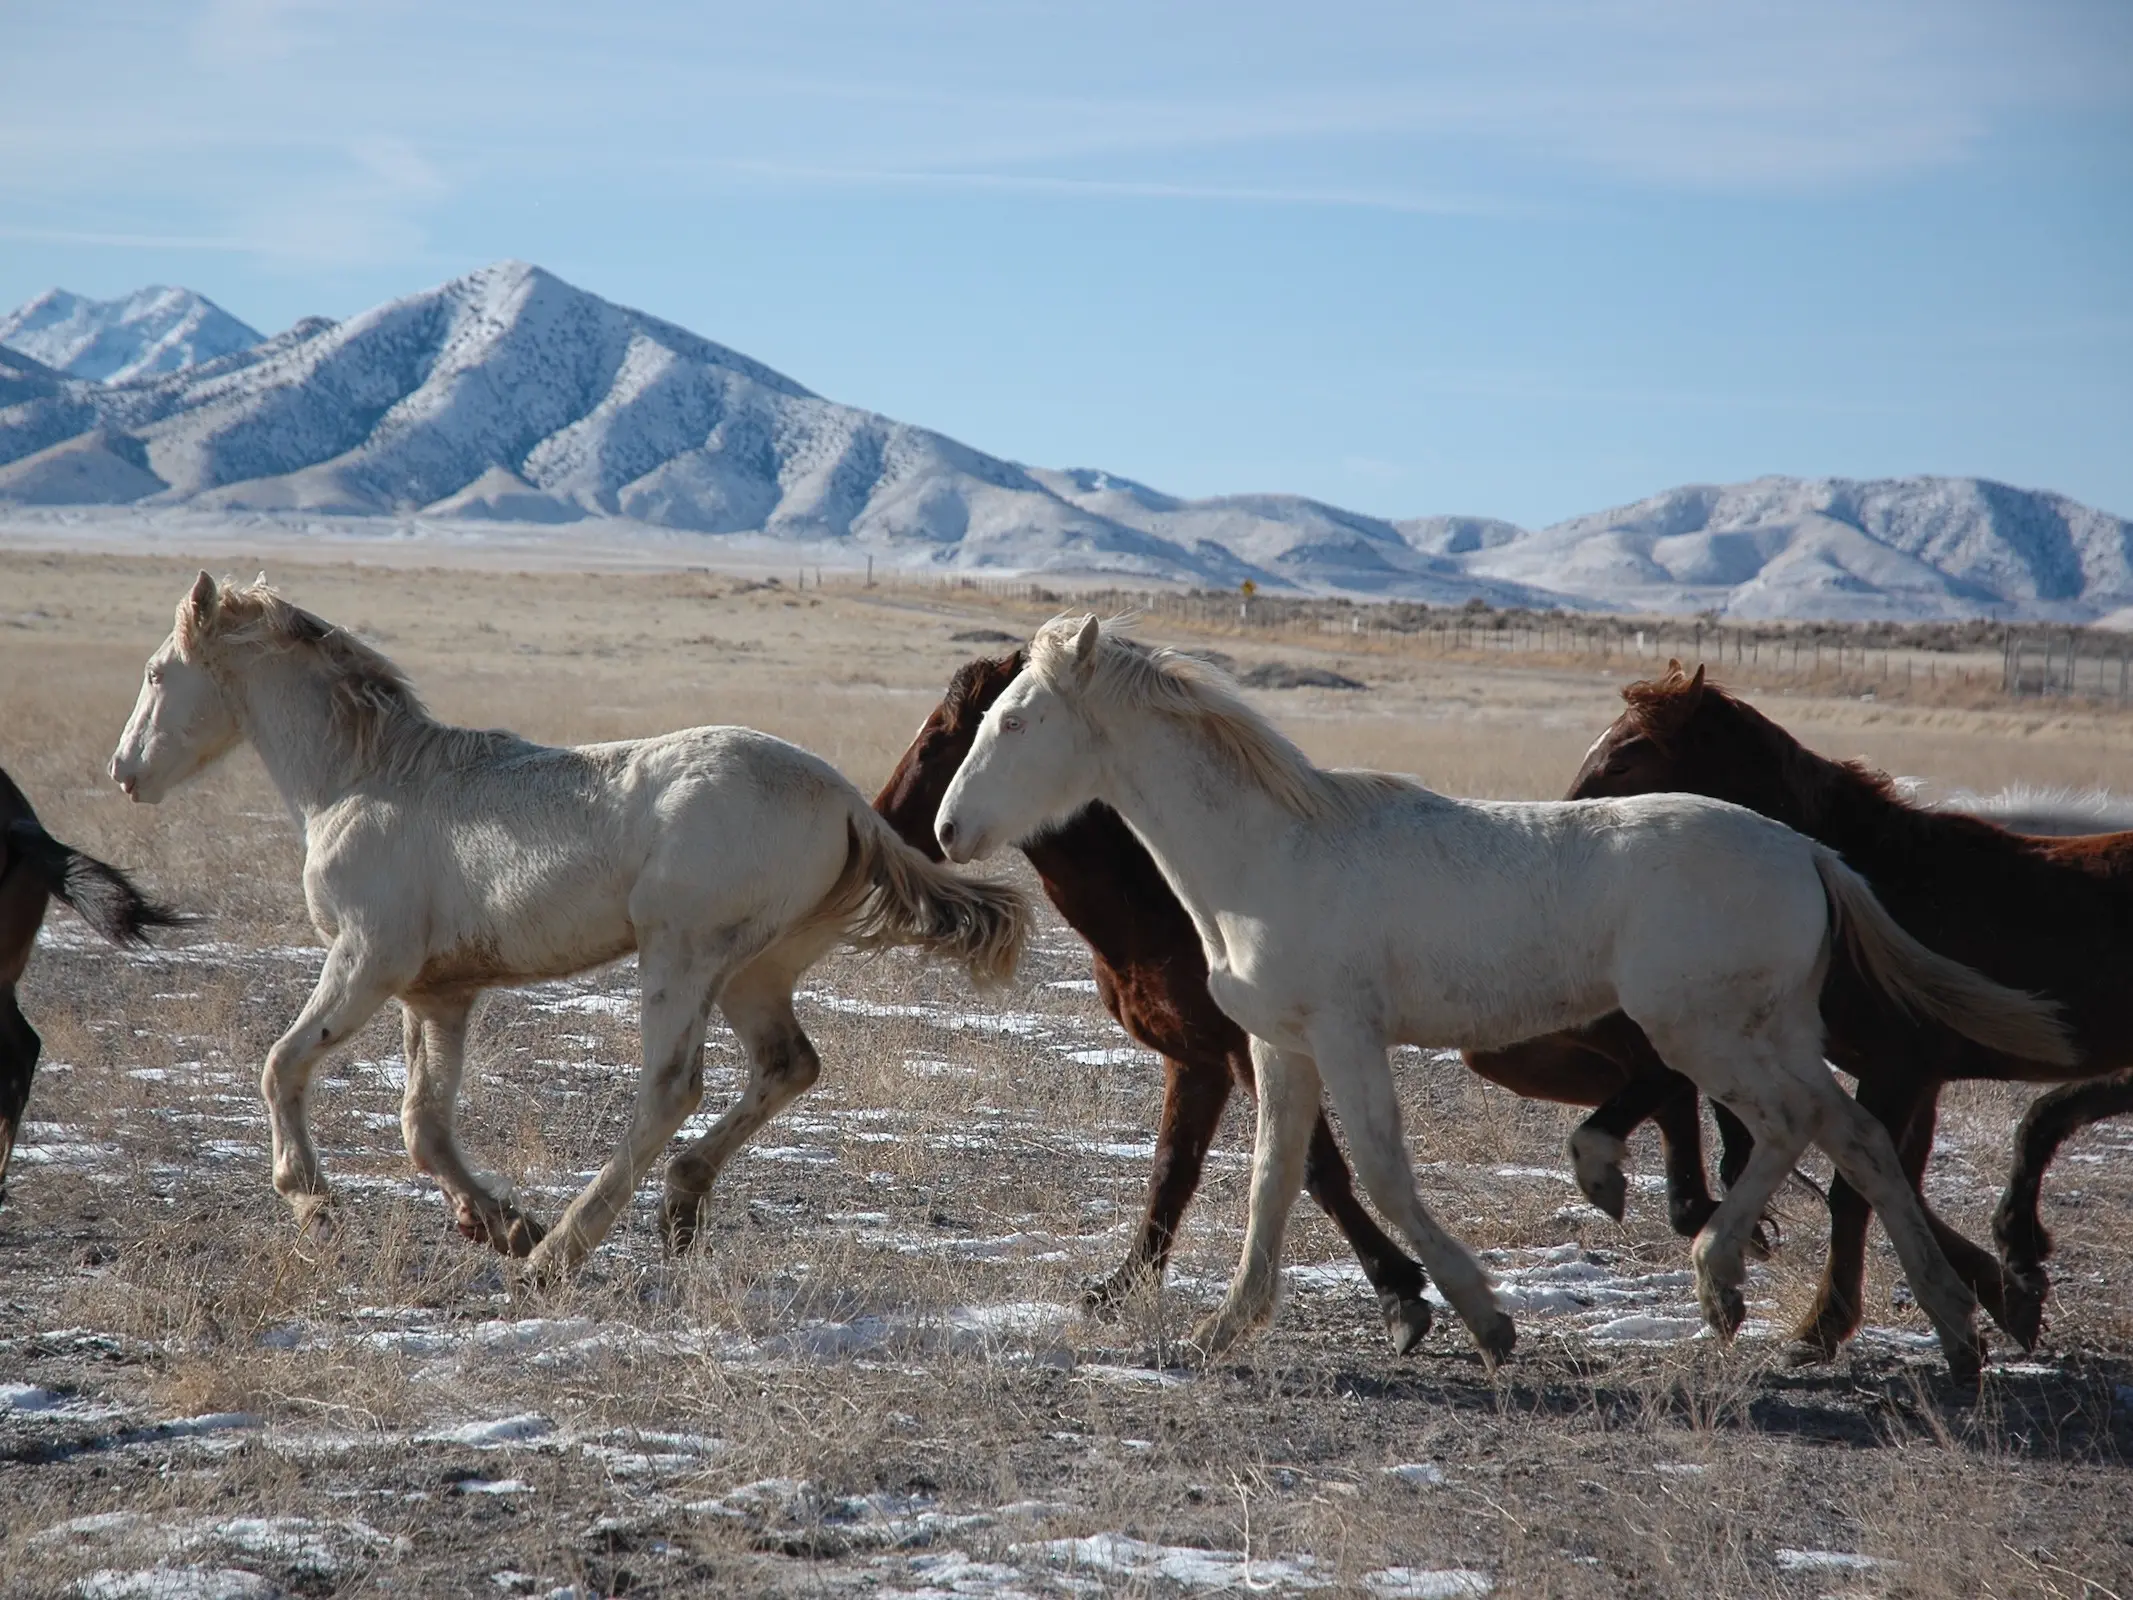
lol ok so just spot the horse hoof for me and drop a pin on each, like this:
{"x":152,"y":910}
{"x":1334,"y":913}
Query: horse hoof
{"x":1965,"y":1354}
{"x":521,"y":1236}
{"x":1805,"y":1352}
{"x":1596,"y":1159}
{"x":1725,"y":1308}
{"x":1496,"y":1339}
{"x":1687,"y":1217}
{"x":1407,"y":1320}
{"x":679,"y":1221}
{"x":313,"y":1218}
{"x":2024,"y":1288}
{"x":1102,"y":1297}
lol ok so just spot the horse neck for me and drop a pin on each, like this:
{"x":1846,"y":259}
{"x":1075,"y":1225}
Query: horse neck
{"x":285,"y":707}
{"x":1102,"y":880}
{"x":1207,"y":829}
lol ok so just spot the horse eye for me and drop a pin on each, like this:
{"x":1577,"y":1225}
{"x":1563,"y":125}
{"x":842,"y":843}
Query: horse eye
{"x":1010,"y":724}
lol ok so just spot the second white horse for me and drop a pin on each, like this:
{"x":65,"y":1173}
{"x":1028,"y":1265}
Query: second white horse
{"x":1344,"y":912}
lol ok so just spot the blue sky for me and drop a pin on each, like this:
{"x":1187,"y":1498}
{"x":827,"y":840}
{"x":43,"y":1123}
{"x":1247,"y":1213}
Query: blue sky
{"x":1521,"y":259}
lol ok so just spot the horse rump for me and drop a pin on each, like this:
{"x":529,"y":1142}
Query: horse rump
{"x":99,"y":893}
{"x":889,"y":894}
{"x":1930,"y":985}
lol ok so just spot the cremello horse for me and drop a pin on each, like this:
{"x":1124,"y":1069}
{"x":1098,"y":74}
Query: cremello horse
{"x":1344,"y":912}
{"x":439,"y":861}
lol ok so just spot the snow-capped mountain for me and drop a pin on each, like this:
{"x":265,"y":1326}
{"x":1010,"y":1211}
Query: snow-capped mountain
{"x":1835,"y":548}
{"x":508,"y":395}
{"x":150,"y":332}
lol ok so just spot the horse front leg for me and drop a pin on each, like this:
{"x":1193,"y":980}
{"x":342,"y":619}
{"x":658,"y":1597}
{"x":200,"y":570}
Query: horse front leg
{"x":349,"y":990}
{"x":1194,"y":1095}
{"x":2025,"y":1243}
{"x":1288,"y":1106}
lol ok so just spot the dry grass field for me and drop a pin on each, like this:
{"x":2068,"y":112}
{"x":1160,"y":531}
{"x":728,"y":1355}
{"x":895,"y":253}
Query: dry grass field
{"x":872,"y":1378}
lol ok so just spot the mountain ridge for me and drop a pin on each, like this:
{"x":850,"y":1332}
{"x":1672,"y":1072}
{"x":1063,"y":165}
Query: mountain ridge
{"x":508,"y":395}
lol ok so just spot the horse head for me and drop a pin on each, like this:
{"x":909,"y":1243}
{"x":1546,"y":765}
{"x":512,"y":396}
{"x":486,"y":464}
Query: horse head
{"x":182,"y":720}
{"x":911,"y":799}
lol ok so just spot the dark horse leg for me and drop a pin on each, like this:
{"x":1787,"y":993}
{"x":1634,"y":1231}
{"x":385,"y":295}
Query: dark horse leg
{"x":1194,"y":1094}
{"x":1664,"y":1096}
{"x":1398,"y":1280}
{"x":19,"y":1046}
{"x":1909,"y":1109}
{"x":2025,"y":1243}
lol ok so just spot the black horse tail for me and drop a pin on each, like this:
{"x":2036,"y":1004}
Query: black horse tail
{"x":99,"y":893}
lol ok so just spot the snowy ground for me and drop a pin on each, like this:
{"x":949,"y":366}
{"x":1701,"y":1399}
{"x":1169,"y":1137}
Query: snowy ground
{"x":876,"y":1377}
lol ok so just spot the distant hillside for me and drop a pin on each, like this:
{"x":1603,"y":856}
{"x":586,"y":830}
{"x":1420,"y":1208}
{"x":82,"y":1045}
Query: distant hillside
{"x":508,"y":395}
{"x":150,"y":332}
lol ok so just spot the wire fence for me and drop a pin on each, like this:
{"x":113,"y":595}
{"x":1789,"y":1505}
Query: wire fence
{"x":2019,"y":661}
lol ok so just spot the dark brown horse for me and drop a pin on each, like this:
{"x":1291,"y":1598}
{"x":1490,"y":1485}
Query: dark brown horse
{"x":35,"y":869}
{"x":1152,"y":975}
{"x":2051,"y":915}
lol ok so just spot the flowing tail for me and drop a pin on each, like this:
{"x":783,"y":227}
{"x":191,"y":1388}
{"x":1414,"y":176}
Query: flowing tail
{"x":101,"y":895}
{"x":1928,"y":984}
{"x":889,"y":894}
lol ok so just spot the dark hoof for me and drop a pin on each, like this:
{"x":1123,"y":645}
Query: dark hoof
{"x":1609,"y":1190}
{"x":1688,"y":1217}
{"x":1806,"y":1352}
{"x":2020,"y":1232}
{"x":520,"y":1236}
{"x":1966,"y":1360}
{"x":2025,"y":1287}
{"x":1102,"y":1297}
{"x":1763,"y":1241}
{"x":1725,"y":1308}
{"x":680,"y":1220}
{"x":1496,"y":1340}
{"x":1407,"y":1319}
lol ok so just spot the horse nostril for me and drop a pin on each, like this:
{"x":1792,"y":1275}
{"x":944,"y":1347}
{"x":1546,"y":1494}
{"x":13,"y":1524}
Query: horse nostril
{"x":946,"y":833}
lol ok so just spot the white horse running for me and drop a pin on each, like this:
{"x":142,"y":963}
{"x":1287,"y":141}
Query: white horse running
{"x":1343,"y":912}
{"x":439,"y":861}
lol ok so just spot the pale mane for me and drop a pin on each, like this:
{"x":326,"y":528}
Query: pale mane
{"x":373,"y":707}
{"x":1170,"y":683}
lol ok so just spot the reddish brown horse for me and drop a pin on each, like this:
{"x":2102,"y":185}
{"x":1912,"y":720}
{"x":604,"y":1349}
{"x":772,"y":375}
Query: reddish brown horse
{"x":1152,"y":975}
{"x":36,"y":869}
{"x":2051,"y":915}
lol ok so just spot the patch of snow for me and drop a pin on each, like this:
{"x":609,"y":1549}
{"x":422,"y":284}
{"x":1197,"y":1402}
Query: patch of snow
{"x":1417,"y":1474}
{"x":1828,"y":1561}
{"x":176,"y":1583}
{"x":1126,"y":1557}
{"x":1428,"y":1583}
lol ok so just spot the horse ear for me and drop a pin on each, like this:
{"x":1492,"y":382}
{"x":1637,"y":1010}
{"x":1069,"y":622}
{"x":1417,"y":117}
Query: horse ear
{"x":196,"y":612}
{"x":202,"y":598}
{"x":1673,"y":666}
{"x":1085,"y":641}
{"x":1695,"y":689}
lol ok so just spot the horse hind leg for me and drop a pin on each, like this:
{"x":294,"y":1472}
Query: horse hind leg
{"x":2025,"y":1243}
{"x":782,"y":1066}
{"x":1194,"y":1095}
{"x":434,"y":1035}
{"x":679,"y":987}
{"x":19,"y":1049}
{"x":1866,"y":1157}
